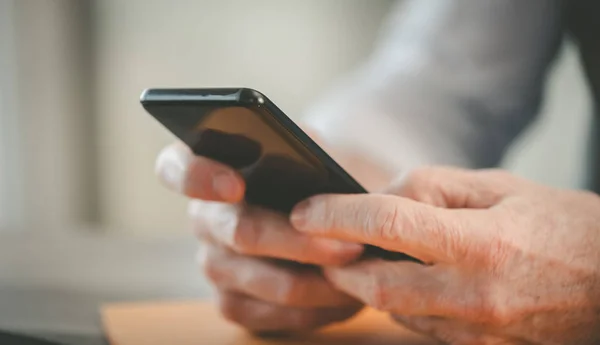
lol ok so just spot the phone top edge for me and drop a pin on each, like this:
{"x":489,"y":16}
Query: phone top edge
{"x":189,"y":95}
{"x":240,"y":94}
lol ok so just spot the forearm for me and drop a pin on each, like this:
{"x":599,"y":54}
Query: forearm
{"x":449,"y":84}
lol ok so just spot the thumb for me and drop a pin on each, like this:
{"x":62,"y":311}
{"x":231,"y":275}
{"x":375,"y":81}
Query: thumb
{"x":454,"y":187}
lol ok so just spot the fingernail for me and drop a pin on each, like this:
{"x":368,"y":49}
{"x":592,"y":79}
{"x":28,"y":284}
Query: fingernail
{"x":171,"y":166}
{"x":298,"y":218}
{"x":225,"y":185}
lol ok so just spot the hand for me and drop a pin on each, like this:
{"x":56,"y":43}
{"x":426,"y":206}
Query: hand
{"x":508,"y":260}
{"x":242,"y":247}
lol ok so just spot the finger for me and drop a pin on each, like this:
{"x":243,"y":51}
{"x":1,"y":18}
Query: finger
{"x":451,"y":187}
{"x":452,"y":331}
{"x":261,"y":316}
{"x":259,"y":232}
{"x":394,"y":223}
{"x":198,"y":177}
{"x":266,"y":280}
{"x":398,"y":287}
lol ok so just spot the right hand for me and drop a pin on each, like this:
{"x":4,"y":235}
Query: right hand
{"x":250,"y":254}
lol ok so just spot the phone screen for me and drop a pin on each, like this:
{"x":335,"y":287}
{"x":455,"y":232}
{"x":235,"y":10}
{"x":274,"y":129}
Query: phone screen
{"x":278,"y":168}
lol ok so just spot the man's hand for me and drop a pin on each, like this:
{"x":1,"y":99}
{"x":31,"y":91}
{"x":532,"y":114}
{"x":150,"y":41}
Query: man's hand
{"x":508,"y":260}
{"x":244,"y":247}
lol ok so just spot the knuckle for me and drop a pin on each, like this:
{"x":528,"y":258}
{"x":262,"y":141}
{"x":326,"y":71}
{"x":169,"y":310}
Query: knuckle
{"x":195,"y":213}
{"x":221,"y":223}
{"x":212,"y":268}
{"x":491,"y":309}
{"x":245,"y":235}
{"x":378,"y":297}
{"x":211,"y":271}
{"x":418,"y":179}
{"x":385,"y":221}
{"x":425,"y":185}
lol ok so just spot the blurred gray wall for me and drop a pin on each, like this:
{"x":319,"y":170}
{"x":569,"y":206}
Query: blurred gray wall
{"x":9,"y":186}
{"x":48,"y":140}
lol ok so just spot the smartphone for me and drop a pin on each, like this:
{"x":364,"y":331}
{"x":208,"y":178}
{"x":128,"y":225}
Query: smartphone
{"x":242,"y":128}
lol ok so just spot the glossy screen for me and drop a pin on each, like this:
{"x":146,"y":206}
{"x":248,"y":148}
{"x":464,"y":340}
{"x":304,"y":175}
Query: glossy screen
{"x":279,"y":170}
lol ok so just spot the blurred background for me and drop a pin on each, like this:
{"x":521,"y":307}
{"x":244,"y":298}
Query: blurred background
{"x":76,"y":148}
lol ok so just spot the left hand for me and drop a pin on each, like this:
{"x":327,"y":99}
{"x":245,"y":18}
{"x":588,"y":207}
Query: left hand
{"x":507,"y":260}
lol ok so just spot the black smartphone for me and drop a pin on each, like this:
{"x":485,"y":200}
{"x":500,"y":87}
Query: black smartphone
{"x":242,"y":128}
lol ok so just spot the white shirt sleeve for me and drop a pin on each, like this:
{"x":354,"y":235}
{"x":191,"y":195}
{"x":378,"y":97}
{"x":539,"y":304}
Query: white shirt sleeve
{"x":451,"y":82}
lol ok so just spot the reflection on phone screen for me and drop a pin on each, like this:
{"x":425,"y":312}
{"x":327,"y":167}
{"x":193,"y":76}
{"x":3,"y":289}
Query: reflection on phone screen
{"x":277,"y":174}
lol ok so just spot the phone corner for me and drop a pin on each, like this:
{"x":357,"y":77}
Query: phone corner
{"x":145,"y":94}
{"x":251,"y":96}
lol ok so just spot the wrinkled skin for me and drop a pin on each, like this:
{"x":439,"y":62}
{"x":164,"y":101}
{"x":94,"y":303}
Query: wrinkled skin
{"x":508,"y":261}
{"x":265,"y":272}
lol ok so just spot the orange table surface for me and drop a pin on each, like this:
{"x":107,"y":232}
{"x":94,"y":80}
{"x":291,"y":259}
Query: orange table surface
{"x":197,"y":322}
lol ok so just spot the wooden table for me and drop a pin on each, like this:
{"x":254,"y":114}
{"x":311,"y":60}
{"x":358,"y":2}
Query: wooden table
{"x":193,"y":323}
